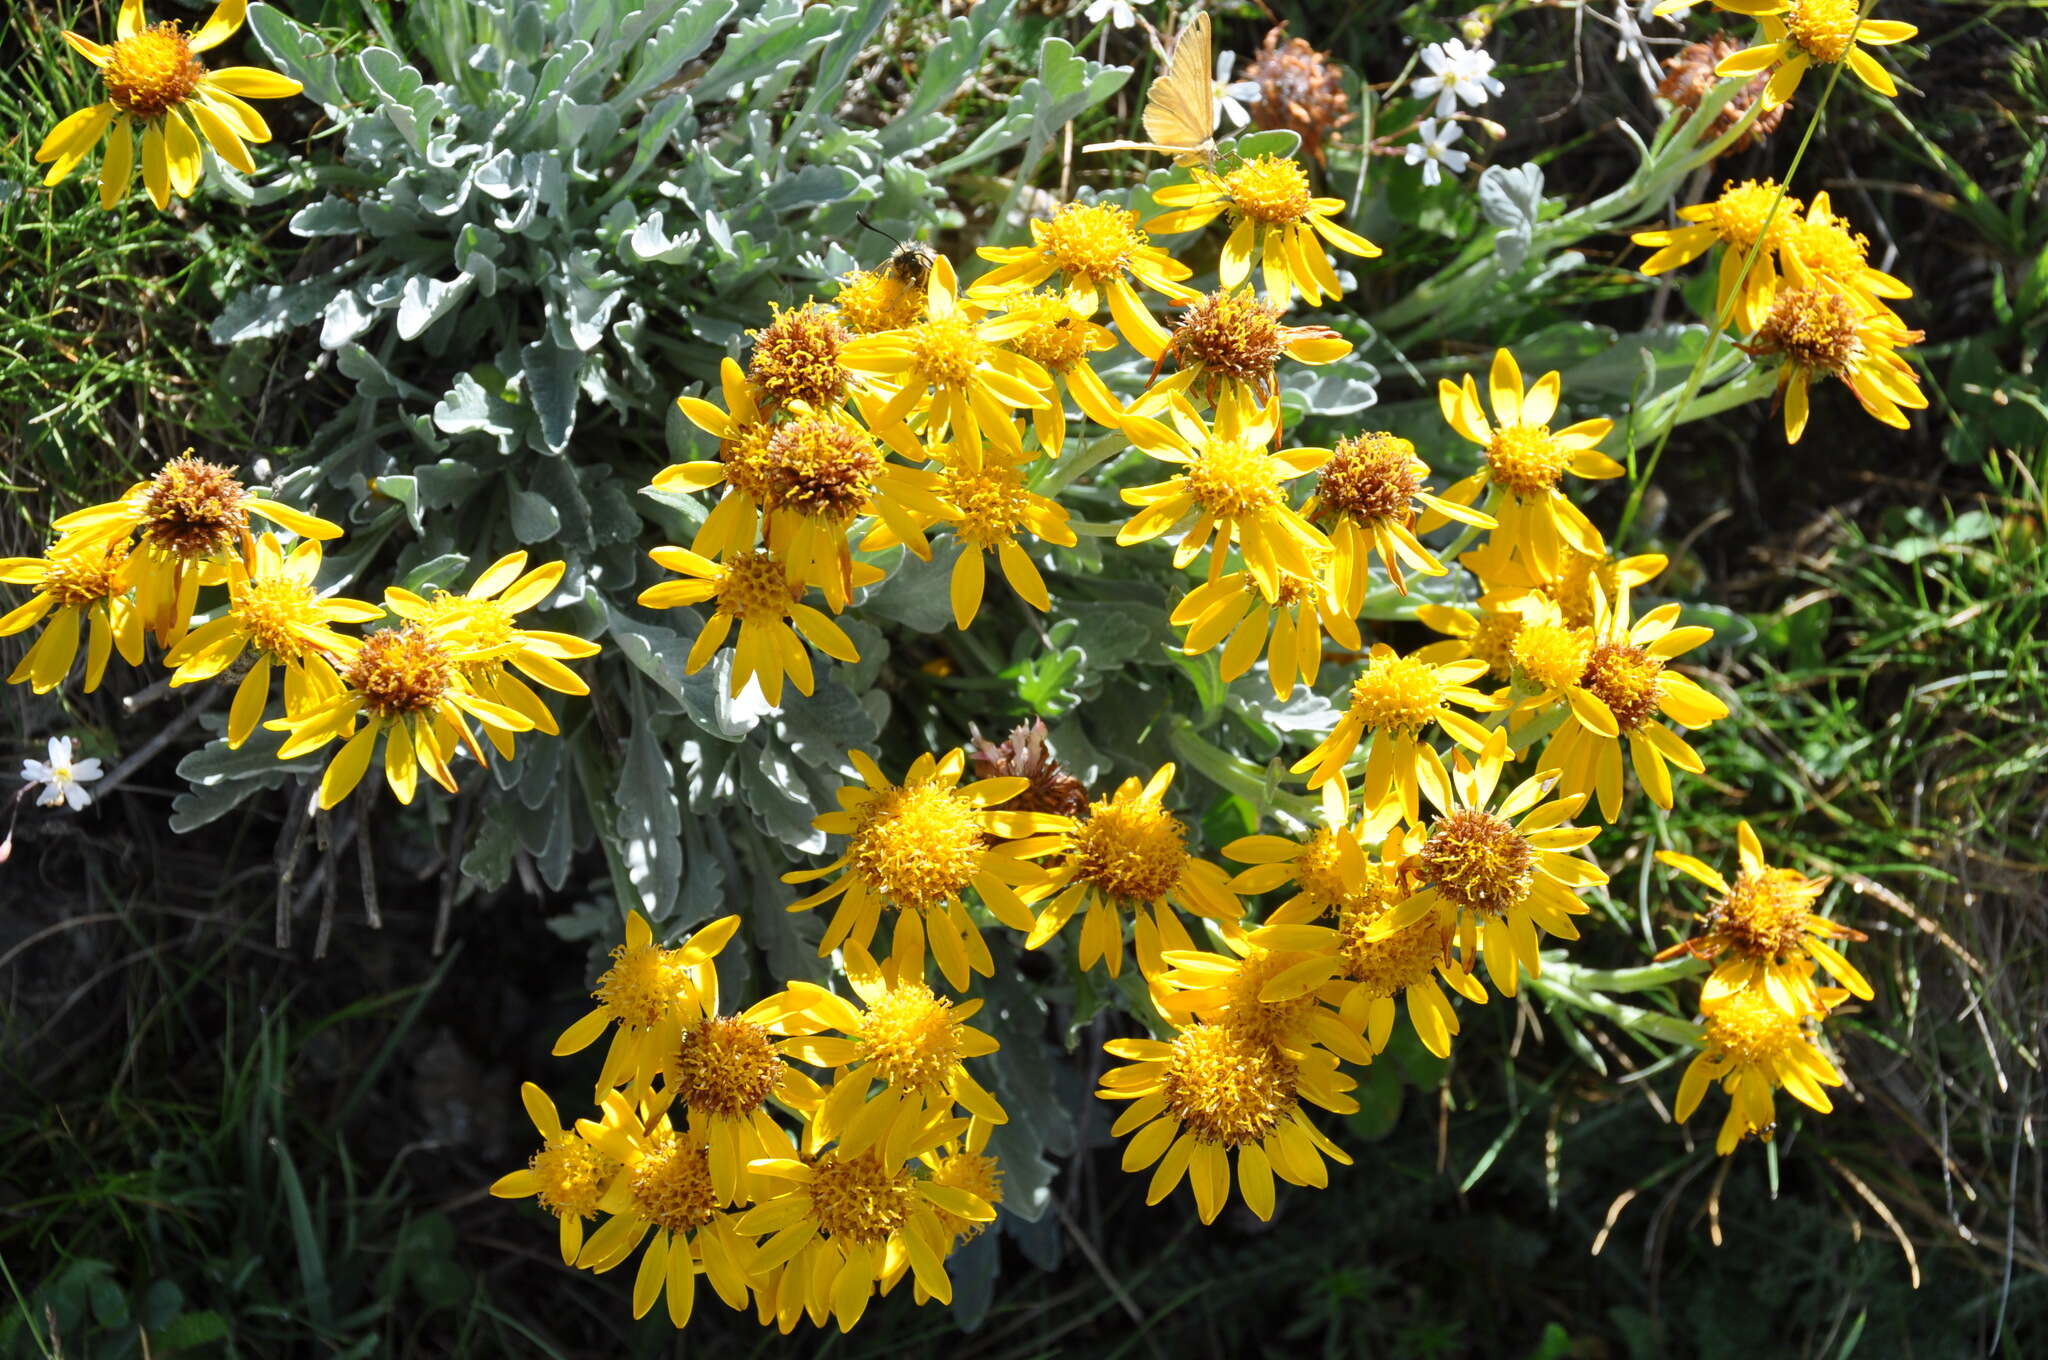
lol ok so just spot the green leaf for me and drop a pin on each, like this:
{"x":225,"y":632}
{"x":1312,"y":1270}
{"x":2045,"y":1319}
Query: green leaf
{"x":650,"y":824}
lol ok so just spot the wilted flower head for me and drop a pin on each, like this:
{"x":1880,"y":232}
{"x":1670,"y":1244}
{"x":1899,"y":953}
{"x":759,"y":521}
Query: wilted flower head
{"x":1300,"y":89}
{"x":1690,"y":74}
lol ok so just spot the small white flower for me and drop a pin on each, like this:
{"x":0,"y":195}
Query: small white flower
{"x":1456,"y":72}
{"x":1121,"y":13}
{"x":1233,"y":99}
{"x":64,"y":776}
{"x":1432,"y":150}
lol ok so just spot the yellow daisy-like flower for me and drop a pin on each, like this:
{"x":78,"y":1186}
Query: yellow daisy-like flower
{"x":1395,"y":700}
{"x":916,"y":847}
{"x":663,"y":1188}
{"x":1232,"y":337}
{"x":1097,"y":249}
{"x":193,"y":518}
{"x":1821,"y":333}
{"x":1488,"y":635}
{"x":155,"y":80}
{"x":1752,"y":1048}
{"x":1212,"y":1092}
{"x":796,"y":358}
{"x":823,"y":471}
{"x":1129,"y":854}
{"x":878,"y":300}
{"x":989,"y":505}
{"x":408,"y":687}
{"x":73,"y":587}
{"x":1525,"y":461}
{"x":1496,"y":876}
{"x":957,"y":368}
{"x":1763,"y":933}
{"x":721,"y":1071}
{"x":1258,"y":990}
{"x":840,"y":1222}
{"x":1289,"y":628}
{"x":904,"y":1035}
{"x":1234,"y":491}
{"x":569,"y":1175}
{"x":650,"y":992}
{"x":1275,"y":217}
{"x":479,"y":631}
{"x":1807,"y":33}
{"x":964,"y":1164}
{"x":1365,"y":499}
{"x":1059,"y":339}
{"x":273,"y":610}
{"x":753,"y":589}
{"x":1743,"y":215}
{"x":734,"y":524}
{"x":1625,"y":685}
{"x":1511,"y":584}
{"x":1823,"y":250}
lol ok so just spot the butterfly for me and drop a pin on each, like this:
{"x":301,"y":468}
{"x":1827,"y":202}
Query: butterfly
{"x":1180,"y":108}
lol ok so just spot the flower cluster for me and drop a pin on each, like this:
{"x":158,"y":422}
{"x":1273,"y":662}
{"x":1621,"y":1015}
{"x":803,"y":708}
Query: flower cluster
{"x":177,"y":558}
{"x":713,"y":1154}
{"x":1763,"y":1003}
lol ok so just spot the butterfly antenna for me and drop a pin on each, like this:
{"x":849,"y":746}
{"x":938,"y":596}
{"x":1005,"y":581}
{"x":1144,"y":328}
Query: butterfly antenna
{"x":862,"y":218}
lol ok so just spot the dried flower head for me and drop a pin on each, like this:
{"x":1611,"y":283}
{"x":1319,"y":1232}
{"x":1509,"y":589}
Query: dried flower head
{"x":1299,"y":88}
{"x":1690,"y":74}
{"x":1024,"y":753}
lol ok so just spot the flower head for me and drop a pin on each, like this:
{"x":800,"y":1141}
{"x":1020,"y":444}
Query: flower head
{"x":1821,"y":333}
{"x":1394,"y":701}
{"x":155,"y":81}
{"x":796,"y":357}
{"x":1689,"y":75}
{"x":1763,"y":935}
{"x":753,"y":590}
{"x":916,"y":847}
{"x":1806,"y":33}
{"x":873,"y":300}
{"x":988,"y":507}
{"x":1213,"y":1093}
{"x":1525,"y":461}
{"x":570,"y":1175}
{"x":1432,"y":150}
{"x":1298,"y":88}
{"x":1276,"y":217}
{"x":1025,"y":754}
{"x":1752,"y":222}
{"x":73,"y":585}
{"x":1234,"y":611}
{"x":1230,"y":338}
{"x":1456,"y":73}
{"x":1129,"y":854}
{"x":1366,"y":498}
{"x":1752,"y":1047}
{"x":1098,"y":249}
{"x":63,"y":779}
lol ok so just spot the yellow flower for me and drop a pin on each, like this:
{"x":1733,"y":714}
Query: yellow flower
{"x":79,"y":585}
{"x":734,"y":523}
{"x":1823,"y":32}
{"x":1233,"y":489}
{"x":1820,"y":249}
{"x":1820,"y":333}
{"x":1488,"y":636}
{"x":1743,"y":215}
{"x":1275,"y":217}
{"x":1394,"y":700}
{"x":878,"y":300}
{"x":956,"y":368}
{"x":477,"y":628}
{"x":1525,"y":460}
{"x":964,"y":1164}
{"x":1098,"y":249}
{"x":663,"y":1187}
{"x":912,"y":1040}
{"x":1289,"y":628}
{"x":917,"y":846}
{"x":1129,"y":853}
{"x":988,"y":507}
{"x":823,"y":470}
{"x":273,"y":608}
{"x":1764,"y":933}
{"x":1334,"y":876}
{"x":1257,"y":990}
{"x":1751,"y":1047}
{"x":754,"y":590}
{"x":1512,"y":584}
{"x":569,"y":1175}
{"x":193,"y":517}
{"x":840,"y":1222}
{"x":722,"y":1070}
{"x":1366,"y":496}
{"x":1212,"y":1092}
{"x":1625,"y":684}
{"x":408,"y":686}
{"x":650,"y":992}
{"x":1059,"y":339}
{"x":796,"y":358}
{"x":154,"y":79}
{"x":1232,"y":337}
{"x":1497,"y":876}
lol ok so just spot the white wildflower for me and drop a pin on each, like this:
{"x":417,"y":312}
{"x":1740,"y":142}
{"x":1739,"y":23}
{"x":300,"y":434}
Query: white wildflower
{"x":1432,"y":150}
{"x":1456,"y":72}
{"x":64,"y":776}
